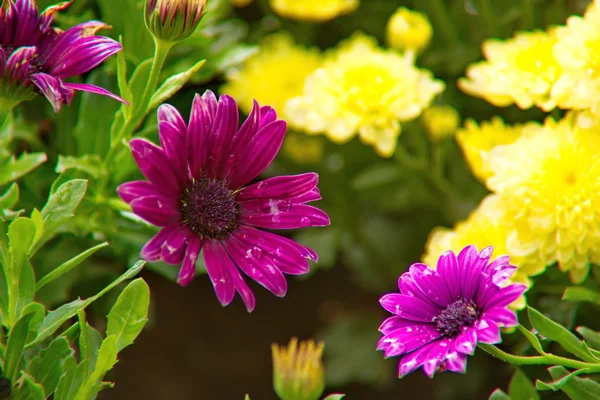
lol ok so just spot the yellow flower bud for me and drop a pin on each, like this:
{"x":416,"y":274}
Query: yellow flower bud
{"x":298,"y":371}
{"x":173,"y":20}
{"x":440,"y":121}
{"x":408,"y":30}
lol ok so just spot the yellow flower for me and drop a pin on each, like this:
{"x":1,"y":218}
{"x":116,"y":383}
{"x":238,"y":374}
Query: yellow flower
{"x":548,"y":181}
{"x":302,"y":149}
{"x":273,"y":75}
{"x":365,"y":90}
{"x":485,"y":226}
{"x":298,"y":371}
{"x":476,"y":141}
{"x":520,"y":70}
{"x":440,"y":121}
{"x":313,"y":10}
{"x":578,"y":53}
{"x":408,"y":30}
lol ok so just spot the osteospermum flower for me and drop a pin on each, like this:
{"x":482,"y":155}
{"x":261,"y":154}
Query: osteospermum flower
{"x":519,"y":70}
{"x":577,"y":52}
{"x":441,"y":314}
{"x":548,"y":183}
{"x":485,"y":226}
{"x":477,"y":140}
{"x":35,"y":57}
{"x":195,"y":192}
{"x":313,"y":10}
{"x":365,"y":90}
{"x":285,"y":63}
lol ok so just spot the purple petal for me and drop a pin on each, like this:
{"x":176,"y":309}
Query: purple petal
{"x":280,"y":187}
{"x":82,"y":55}
{"x":211,"y":102}
{"x":281,"y":214}
{"x":407,"y":339}
{"x":502,"y":274}
{"x":474,"y":270}
{"x":449,"y":270}
{"x":430,"y":284}
{"x":267,"y":115}
{"x":219,"y":267}
{"x":172,"y":141}
{"x":488,"y":332}
{"x":131,"y":190}
{"x":188,"y":268}
{"x":19,"y":63}
{"x":173,"y":249}
{"x":224,"y":128}
{"x":408,"y":307}
{"x":499,"y":262}
{"x":313,"y":195}
{"x":84,"y":87}
{"x":198,"y":137}
{"x":157,"y":210}
{"x":2,"y":61}
{"x":414,"y":360}
{"x":501,"y":316}
{"x":47,"y":16}
{"x":261,"y":269}
{"x":436,"y":357}
{"x":168,"y":113}
{"x":152,"y":249}
{"x":455,"y":362}
{"x":259,"y":154}
{"x":242,"y":288}
{"x":394,"y":323}
{"x":155,"y":166}
{"x":506,"y":296}
{"x":466,"y":342}
{"x":53,"y":89}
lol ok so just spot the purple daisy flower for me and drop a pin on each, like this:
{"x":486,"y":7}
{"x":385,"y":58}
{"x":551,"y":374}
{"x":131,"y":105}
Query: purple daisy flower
{"x":35,"y":57}
{"x":441,"y":314}
{"x":195,"y":192}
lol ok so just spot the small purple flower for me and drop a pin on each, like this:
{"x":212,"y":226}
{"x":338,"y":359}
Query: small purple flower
{"x":195,"y":192}
{"x":35,"y":57}
{"x":441,"y":315}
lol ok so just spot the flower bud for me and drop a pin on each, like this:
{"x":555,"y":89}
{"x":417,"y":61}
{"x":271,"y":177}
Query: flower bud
{"x":441,"y":122}
{"x":173,"y":20}
{"x":297,"y":370}
{"x":408,"y":30}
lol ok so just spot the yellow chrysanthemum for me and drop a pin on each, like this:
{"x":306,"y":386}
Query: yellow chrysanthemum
{"x":485,"y":226}
{"x":476,"y":141}
{"x":520,"y":70}
{"x":578,"y":53}
{"x":273,"y":75}
{"x":365,"y":90}
{"x":548,"y":182}
{"x":313,"y":10}
{"x":408,"y":30}
{"x":302,"y":149}
{"x":440,"y":121}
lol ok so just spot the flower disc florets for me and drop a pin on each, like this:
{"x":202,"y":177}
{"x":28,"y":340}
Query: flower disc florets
{"x":461,"y":313}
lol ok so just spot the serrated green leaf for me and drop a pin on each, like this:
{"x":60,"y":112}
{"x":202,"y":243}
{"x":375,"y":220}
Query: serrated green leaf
{"x":14,"y":348}
{"x":29,"y":390}
{"x":10,"y":197}
{"x":533,"y":339}
{"x":129,"y":314}
{"x":592,"y":337}
{"x":579,"y":293}
{"x":66,"y":379}
{"x":90,"y":164}
{"x":38,"y":312}
{"x":107,"y":358}
{"x":89,"y":344}
{"x":559,"y":334}
{"x":16,"y":168}
{"x":47,"y":368}
{"x":68,"y":265}
{"x":498,"y":394}
{"x":172,"y":85}
{"x":71,"y":334}
{"x":576,"y":388}
{"x":521,"y":388}
{"x":21,"y":233}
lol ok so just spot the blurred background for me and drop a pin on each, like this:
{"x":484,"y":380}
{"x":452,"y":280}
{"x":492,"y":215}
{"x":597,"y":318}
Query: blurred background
{"x":382,"y":208}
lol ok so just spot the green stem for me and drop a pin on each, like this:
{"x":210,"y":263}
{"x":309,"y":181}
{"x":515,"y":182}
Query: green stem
{"x":489,"y":19}
{"x":443,"y":22}
{"x":161,"y":50}
{"x":548,"y":359}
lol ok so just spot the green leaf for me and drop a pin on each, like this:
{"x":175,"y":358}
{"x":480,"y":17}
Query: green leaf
{"x":10,"y":198}
{"x":533,"y":339}
{"x":14,"y":349}
{"x":21,"y":233}
{"x":122,"y":80}
{"x":29,"y":390}
{"x":38,"y":312}
{"x":89,"y":164}
{"x":71,"y":334}
{"x":138,"y":82}
{"x":16,"y":168}
{"x":89,"y":343}
{"x":579,"y":293}
{"x":521,"y":388}
{"x":107,"y":358}
{"x":129,"y":314}
{"x":172,"y":85}
{"x":557,"y":333}
{"x":335,"y":396}
{"x":47,"y":368}
{"x":576,"y":388}
{"x":559,"y":383}
{"x":592,"y":337}
{"x":68,"y":265}
{"x":61,"y":206}
{"x":498,"y":394}
{"x":66,"y":379}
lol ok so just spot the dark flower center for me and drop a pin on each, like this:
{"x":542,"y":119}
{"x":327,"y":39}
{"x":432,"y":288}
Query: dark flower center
{"x":36,"y":64}
{"x":209,"y":208}
{"x":458,"y":314}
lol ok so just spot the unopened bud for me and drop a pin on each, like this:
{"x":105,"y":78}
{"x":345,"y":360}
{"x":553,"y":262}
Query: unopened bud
{"x":298,"y":371}
{"x":173,"y":20}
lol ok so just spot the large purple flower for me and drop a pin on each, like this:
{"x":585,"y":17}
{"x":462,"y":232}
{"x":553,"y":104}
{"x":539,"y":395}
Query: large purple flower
{"x":441,"y":315}
{"x":195,"y":192}
{"x":34,"y":56}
